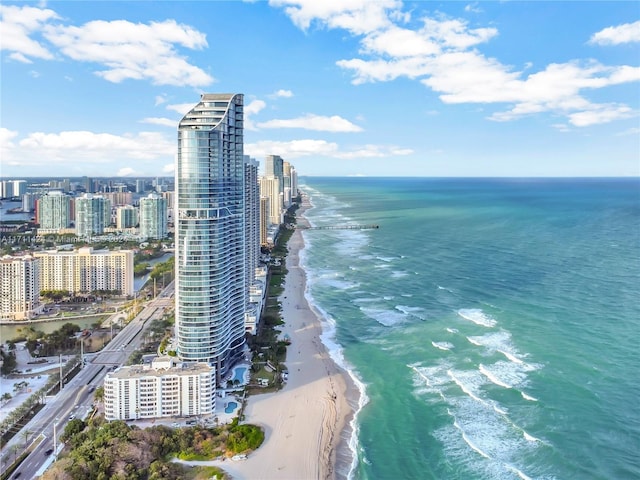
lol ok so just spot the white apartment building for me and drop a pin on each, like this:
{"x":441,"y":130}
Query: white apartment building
{"x":54,"y":211}
{"x":153,"y":217}
{"x":19,"y":288}
{"x":93,"y":214}
{"x":87,"y":270}
{"x":165,"y":388}
{"x":126,"y":217}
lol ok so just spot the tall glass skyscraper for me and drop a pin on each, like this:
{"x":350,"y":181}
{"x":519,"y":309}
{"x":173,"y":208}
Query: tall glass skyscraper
{"x":210,"y":241}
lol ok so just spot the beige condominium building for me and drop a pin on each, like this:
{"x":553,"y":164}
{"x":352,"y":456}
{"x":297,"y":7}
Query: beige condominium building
{"x":19,"y":288}
{"x":87,"y":270}
{"x":165,"y":388}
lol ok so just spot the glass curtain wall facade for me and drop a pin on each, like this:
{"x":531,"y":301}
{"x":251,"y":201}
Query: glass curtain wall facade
{"x":210,"y":243}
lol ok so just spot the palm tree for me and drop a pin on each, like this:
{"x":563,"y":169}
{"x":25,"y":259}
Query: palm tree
{"x":15,"y":448}
{"x":26,"y":434}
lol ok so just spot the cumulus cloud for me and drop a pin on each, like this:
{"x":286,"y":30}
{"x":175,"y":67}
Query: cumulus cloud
{"x":283,"y":94}
{"x":18,"y":24}
{"x":626,"y":33}
{"x":125,"y":49}
{"x":320,"y":148}
{"x":181,"y":108}
{"x":319,"y":123}
{"x":375,"y":151}
{"x":443,"y":54}
{"x":134,"y":50}
{"x":84,"y":147}
{"x":250,"y":109}
{"x":126,"y":172}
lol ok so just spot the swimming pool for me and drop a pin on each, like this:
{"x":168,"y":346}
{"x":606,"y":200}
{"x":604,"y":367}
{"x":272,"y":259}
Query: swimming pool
{"x":239,"y":374}
{"x":231,"y":406}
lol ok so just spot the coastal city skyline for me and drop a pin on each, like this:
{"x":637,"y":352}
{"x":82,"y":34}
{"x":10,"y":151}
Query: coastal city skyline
{"x":369,"y":88}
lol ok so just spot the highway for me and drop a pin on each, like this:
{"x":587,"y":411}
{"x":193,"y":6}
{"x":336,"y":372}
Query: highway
{"x":75,"y":400}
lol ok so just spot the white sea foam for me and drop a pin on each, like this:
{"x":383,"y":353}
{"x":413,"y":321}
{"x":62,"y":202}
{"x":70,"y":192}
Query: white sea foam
{"x":452,"y":330}
{"x":530,"y":438}
{"x":385,"y":259}
{"x":520,"y":474}
{"x":477,"y":316}
{"x":469,"y":442}
{"x":474,"y":341}
{"x":385,"y":317}
{"x":511,"y":356}
{"x":528,"y":397}
{"x":442,"y":345}
{"x":492,"y":377}
{"x":398,"y":274}
{"x":440,"y":287}
{"x":411,"y":311}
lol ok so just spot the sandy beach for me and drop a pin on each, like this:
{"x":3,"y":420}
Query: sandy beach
{"x":305,"y":422}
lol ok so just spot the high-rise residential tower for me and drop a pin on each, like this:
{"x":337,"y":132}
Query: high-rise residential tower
{"x":153,"y":217}
{"x":210,"y":233}
{"x":54,"y":210}
{"x":93,"y":214}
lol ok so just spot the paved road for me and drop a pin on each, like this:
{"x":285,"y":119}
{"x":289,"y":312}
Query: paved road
{"x":76,"y":398}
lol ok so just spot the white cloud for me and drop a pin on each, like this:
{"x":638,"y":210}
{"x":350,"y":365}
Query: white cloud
{"x":626,"y":33}
{"x":166,"y":122}
{"x":283,"y":94}
{"x":169,"y":168}
{"x":629,"y":131}
{"x":314,"y":122}
{"x":17,"y":25}
{"x":181,"y":108}
{"x":597,"y":114}
{"x":375,"y":151}
{"x":160,"y":99}
{"x":250,"y":109}
{"x":127,"y":172}
{"x":291,"y":149}
{"x":84,"y":147}
{"x":357,"y":16}
{"x":134,"y":50}
{"x":443,"y":55}
{"x":320,"y":148}
{"x":472,"y":8}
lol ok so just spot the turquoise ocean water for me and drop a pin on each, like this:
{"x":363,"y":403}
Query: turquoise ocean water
{"x":494,"y":323}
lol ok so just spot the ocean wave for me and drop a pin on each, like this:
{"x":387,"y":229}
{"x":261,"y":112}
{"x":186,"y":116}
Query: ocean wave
{"x":398,"y":274}
{"x":511,"y":356}
{"x":477,"y":316}
{"x":474,"y":341}
{"x":385,"y":317}
{"x":492,"y":377}
{"x":469,"y":442}
{"x":452,"y":330}
{"x":442,"y":345}
{"x":528,"y":397}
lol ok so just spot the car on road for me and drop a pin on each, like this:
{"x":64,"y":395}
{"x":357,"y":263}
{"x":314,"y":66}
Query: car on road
{"x":72,"y":416}
{"x":17,"y":475}
{"x":48,"y":452}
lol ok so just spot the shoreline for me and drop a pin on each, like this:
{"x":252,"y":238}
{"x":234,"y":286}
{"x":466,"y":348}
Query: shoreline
{"x":309,"y":423}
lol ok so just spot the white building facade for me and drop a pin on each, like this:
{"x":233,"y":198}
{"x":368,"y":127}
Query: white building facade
{"x":87,"y":270}
{"x":166,"y":388}
{"x":54,"y":211}
{"x":19,"y":288}
{"x":153,"y":217}
{"x":93,"y":214}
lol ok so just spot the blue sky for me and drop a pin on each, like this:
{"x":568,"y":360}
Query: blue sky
{"x":336,"y":87}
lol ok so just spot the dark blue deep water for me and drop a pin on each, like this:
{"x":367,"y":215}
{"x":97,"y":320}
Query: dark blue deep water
{"x":494,"y":323}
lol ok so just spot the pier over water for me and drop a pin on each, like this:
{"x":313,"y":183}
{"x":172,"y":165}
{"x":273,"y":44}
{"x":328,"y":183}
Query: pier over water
{"x":339,"y":227}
